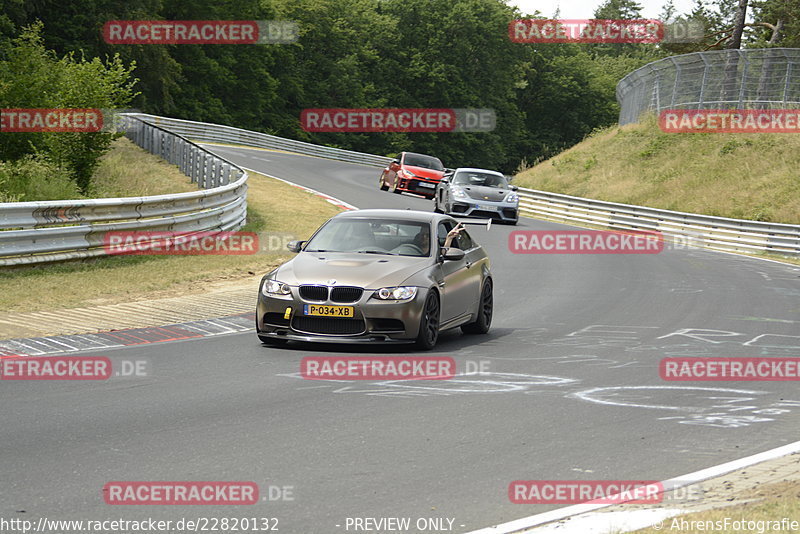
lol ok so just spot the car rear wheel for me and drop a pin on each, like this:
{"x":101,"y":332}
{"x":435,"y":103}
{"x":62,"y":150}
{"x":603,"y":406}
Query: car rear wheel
{"x":429,"y":323}
{"x":485,"y":309}
{"x":382,"y":184}
{"x":272,"y":341}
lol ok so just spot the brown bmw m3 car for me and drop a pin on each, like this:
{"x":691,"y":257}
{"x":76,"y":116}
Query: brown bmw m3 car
{"x":378,"y":276}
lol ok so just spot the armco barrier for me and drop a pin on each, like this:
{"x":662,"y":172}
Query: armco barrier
{"x":718,"y":233}
{"x":215,"y":133}
{"x":710,"y":232}
{"x":37,"y":232}
{"x":733,"y":235}
{"x":73,"y":229}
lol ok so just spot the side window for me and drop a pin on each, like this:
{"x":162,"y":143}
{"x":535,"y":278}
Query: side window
{"x":464,"y":241}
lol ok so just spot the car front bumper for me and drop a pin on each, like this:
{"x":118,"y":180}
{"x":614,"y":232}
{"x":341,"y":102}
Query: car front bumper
{"x":501,"y":211}
{"x":374,"y":321}
{"x":418,"y":186}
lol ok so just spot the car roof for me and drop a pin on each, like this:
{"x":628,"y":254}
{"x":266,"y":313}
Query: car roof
{"x":470,"y":169}
{"x":405,"y":215}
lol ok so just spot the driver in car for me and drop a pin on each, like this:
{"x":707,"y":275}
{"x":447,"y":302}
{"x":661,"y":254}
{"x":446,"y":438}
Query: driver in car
{"x":423,"y":239}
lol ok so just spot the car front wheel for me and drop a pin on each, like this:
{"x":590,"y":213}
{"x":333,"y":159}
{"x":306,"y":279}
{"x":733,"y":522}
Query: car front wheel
{"x":429,"y":323}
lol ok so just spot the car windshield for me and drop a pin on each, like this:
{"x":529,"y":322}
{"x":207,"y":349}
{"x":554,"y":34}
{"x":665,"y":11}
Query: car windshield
{"x":480,"y":178}
{"x":426,"y":162}
{"x":373,"y":236}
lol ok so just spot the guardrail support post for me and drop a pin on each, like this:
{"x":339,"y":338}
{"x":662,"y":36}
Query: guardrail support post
{"x":225,"y":179}
{"x":212,"y":165}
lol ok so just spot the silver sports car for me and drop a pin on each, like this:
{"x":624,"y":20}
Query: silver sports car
{"x":378,"y":276}
{"x":477,"y":192}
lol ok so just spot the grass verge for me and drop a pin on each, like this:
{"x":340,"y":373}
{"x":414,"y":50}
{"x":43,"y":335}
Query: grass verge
{"x":743,"y":176}
{"x":772,"y":504}
{"x":272,"y":207}
{"x":127,"y":170}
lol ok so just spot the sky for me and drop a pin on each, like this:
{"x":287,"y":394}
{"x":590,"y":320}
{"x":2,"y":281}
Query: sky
{"x":584,"y":9}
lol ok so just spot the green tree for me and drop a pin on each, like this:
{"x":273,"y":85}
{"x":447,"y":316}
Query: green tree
{"x":776,"y":23}
{"x":355,"y":54}
{"x":33,"y":77}
{"x":457,"y":54}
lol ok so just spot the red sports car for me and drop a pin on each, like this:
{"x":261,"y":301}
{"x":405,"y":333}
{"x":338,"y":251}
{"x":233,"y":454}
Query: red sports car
{"x":414,"y":173}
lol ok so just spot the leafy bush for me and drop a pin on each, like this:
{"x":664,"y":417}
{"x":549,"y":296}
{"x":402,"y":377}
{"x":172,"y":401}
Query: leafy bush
{"x":35,"y":178}
{"x":34,"y":77}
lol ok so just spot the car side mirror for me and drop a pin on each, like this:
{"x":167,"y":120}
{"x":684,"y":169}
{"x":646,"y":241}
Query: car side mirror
{"x":452,"y":254}
{"x":514,"y":188}
{"x":295,"y":246}
{"x":444,"y":181}
{"x":396,"y":162}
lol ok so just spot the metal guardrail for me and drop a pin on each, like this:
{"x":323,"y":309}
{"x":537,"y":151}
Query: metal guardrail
{"x":732,"y":235}
{"x":57,"y":230}
{"x":754,"y":78}
{"x":215,"y":133}
{"x":689,"y":229}
{"x":38,"y":232}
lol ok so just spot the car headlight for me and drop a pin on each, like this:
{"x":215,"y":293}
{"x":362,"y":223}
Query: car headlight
{"x":459,"y":193}
{"x":512,"y":197}
{"x":396,"y":293}
{"x":411,"y":174}
{"x":273,"y":287}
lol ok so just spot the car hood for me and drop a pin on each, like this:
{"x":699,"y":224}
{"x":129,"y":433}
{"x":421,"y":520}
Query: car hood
{"x":430,"y":174}
{"x":370,"y":271}
{"x":482,"y":192}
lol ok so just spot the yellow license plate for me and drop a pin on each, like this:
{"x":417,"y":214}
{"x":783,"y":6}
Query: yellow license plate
{"x":328,"y":311}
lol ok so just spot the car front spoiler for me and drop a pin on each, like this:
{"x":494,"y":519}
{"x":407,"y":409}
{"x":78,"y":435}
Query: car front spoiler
{"x":313,"y":338}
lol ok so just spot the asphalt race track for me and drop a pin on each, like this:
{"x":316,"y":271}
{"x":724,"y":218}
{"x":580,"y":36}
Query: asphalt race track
{"x":572,"y":392}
